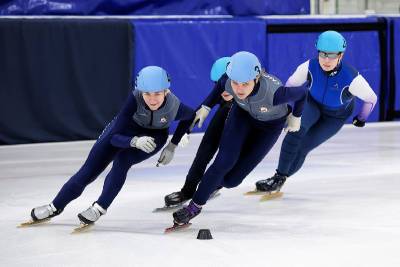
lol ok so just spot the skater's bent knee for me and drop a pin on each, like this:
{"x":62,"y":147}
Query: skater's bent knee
{"x":231,"y":183}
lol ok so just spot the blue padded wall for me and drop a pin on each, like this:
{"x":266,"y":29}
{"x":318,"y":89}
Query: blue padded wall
{"x":155,"y":7}
{"x":187,"y":50}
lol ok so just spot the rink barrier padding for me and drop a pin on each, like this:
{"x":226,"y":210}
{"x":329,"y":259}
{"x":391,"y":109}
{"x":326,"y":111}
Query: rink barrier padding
{"x":62,"y":80}
{"x":186,"y":48}
{"x":394,"y":63}
{"x":380,"y":25}
{"x":156,"y":7}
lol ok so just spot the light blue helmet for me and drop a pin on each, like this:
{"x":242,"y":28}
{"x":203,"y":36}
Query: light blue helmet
{"x":331,"y":41}
{"x":243,"y":67}
{"x":219,"y":68}
{"x":152,"y":79}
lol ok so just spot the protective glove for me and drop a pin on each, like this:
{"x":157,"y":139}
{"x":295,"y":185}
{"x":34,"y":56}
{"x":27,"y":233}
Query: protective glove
{"x":201,"y":115}
{"x":144,"y":143}
{"x":293,"y":123}
{"x":184,"y":140}
{"x":357,"y":122}
{"x":167,"y":154}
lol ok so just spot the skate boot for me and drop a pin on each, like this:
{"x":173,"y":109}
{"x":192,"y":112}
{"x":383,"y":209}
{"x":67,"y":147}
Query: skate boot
{"x":272,"y":184}
{"x":184,"y":215}
{"x":41,"y":214}
{"x":175,"y":199}
{"x":92,"y":214}
{"x":44,"y":212}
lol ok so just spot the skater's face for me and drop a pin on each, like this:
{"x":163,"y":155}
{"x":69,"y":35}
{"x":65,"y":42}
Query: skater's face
{"x":242,"y":90}
{"x":328,"y":61}
{"x":154,"y":100}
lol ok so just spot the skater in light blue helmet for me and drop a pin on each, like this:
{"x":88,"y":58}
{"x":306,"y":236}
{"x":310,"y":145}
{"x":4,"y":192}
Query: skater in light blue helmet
{"x":334,"y":86}
{"x":209,"y":143}
{"x":137,"y":133}
{"x":253,"y":125}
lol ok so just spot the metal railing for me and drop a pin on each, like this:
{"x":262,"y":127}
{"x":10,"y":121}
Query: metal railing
{"x":355,"y":6}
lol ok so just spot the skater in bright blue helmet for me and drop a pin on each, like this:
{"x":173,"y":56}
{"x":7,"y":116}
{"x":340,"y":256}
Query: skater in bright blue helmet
{"x":255,"y":121}
{"x":330,"y":102}
{"x":210,"y":142}
{"x":138,"y":132}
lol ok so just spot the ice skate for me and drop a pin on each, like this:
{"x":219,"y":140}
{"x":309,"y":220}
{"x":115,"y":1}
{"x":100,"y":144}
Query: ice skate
{"x":270,"y":188}
{"x":272,"y":184}
{"x":183,"y":216}
{"x":254,"y":192}
{"x":89,"y":217}
{"x":176,"y":200}
{"x":177,"y":227}
{"x":41,"y":215}
{"x":173,"y":201}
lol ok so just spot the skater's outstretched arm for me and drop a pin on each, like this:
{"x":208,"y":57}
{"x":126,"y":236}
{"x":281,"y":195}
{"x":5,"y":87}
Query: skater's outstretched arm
{"x":292,"y":94}
{"x":360,"y":88}
{"x":212,"y":99}
{"x":300,"y":75}
{"x":185,"y":115}
{"x":298,"y":80}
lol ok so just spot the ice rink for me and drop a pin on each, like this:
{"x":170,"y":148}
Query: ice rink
{"x":341,"y":209}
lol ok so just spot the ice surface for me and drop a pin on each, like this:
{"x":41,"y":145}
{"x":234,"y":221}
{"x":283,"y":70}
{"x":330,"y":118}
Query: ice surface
{"x":341,"y":209}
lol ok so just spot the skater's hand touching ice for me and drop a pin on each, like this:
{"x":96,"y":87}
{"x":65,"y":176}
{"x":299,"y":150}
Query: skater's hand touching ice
{"x":167,"y":154}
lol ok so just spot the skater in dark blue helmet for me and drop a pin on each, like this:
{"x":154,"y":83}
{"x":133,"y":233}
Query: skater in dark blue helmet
{"x":330,"y":102}
{"x":138,"y":132}
{"x":209,"y":144}
{"x":253,"y":125}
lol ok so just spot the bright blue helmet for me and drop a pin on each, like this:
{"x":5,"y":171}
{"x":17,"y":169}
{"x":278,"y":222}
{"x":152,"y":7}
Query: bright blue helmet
{"x":243,"y":67}
{"x":219,"y":68}
{"x":152,"y":79}
{"x":331,"y":41}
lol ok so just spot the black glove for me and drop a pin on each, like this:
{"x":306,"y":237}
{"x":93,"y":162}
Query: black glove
{"x":357,"y":122}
